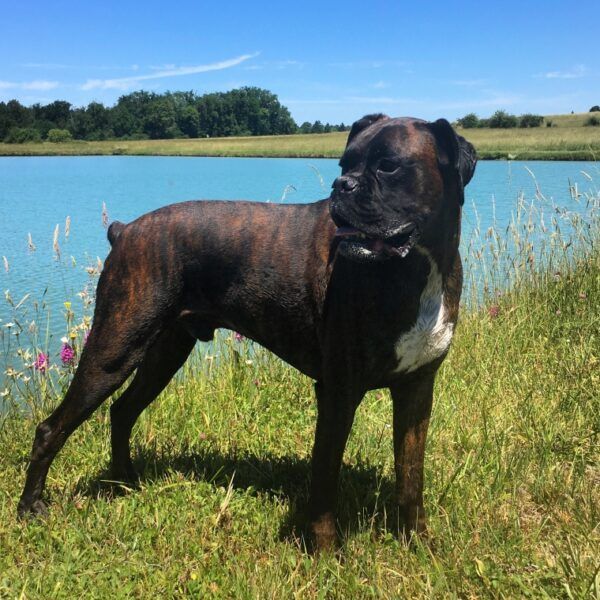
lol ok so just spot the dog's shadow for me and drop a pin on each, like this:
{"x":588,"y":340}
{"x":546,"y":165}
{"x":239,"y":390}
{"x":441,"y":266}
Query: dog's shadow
{"x":366,"y":498}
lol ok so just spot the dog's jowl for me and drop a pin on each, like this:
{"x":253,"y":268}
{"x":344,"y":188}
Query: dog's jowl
{"x":359,"y":291}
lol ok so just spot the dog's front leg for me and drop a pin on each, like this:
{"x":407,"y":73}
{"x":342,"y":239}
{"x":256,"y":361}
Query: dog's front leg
{"x":336,"y":408}
{"x":412,"y":409}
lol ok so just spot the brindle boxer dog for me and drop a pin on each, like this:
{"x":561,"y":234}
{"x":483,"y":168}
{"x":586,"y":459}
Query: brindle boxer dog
{"x":359,"y":291}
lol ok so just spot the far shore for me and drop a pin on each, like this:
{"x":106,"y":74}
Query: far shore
{"x":543,"y":143}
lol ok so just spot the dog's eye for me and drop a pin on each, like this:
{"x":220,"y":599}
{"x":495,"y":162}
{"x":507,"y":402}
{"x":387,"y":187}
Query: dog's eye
{"x":387,"y":166}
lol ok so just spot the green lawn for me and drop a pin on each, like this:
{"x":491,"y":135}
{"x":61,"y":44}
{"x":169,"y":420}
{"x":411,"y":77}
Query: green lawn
{"x":512,"y":476}
{"x":567,"y":140}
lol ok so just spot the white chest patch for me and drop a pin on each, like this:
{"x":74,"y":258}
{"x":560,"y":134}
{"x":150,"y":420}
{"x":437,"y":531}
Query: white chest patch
{"x":431,"y":334}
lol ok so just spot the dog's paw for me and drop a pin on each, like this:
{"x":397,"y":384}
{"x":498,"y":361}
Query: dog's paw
{"x":37,"y":508}
{"x":324,"y":535}
{"x":125,"y":474}
{"x":412,"y":522}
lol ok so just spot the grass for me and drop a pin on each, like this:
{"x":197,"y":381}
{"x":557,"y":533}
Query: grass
{"x":513,"y":477}
{"x":539,"y":143}
{"x":570,"y":120}
{"x":512,"y":466}
{"x":568,"y":140}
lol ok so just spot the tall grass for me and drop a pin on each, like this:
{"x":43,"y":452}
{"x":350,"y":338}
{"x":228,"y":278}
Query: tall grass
{"x":512,"y":469}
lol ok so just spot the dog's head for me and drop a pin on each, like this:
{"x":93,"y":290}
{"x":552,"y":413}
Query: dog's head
{"x":399,"y":177}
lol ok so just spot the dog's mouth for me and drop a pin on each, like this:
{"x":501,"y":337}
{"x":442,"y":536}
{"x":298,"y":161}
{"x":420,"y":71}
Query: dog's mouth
{"x":357,"y":244}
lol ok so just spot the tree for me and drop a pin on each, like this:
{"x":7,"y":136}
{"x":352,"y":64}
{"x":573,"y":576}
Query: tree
{"x":19,"y":115}
{"x":188,"y":121}
{"x":57,"y":112}
{"x":317,"y":127}
{"x":502,"y":120}
{"x":59,"y":135}
{"x":22,"y":135}
{"x":305,"y":127}
{"x":131,"y":111}
{"x":123,"y":122}
{"x":80,"y":124}
{"x":529,"y":120}
{"x":242,"y":111}
{"x":98,"y":116}
{"x":469,"y":121}
{"x":159,"y":122}
{"x":595,"y":108}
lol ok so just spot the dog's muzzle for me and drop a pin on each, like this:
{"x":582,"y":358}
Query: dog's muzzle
{"x":366,"y":244}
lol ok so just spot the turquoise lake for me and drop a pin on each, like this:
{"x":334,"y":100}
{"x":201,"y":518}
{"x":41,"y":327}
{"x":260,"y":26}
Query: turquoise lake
{"x":37,"y":194}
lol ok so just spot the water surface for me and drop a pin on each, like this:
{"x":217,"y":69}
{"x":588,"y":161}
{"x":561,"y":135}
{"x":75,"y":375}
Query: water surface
{"x":39,"y":193}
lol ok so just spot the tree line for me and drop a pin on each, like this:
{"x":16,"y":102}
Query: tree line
{"x":500,"y":120}
{"x":504,"y":120}
{"x":146,"y":115}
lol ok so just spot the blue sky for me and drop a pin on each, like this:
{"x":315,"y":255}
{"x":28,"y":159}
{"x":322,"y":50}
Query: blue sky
{"x":332,"y":61}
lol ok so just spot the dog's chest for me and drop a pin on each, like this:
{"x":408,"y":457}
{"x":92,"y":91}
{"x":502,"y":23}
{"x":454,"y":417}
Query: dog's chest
{"x":431,"y":334}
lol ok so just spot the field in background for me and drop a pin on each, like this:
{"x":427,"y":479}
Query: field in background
{"x":568,"y":140}
{"x":574,"y":120}
{"x":538,"y":143}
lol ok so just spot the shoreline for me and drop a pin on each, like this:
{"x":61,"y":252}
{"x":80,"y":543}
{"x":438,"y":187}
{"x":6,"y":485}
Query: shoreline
{"x":555,"y":143}
{"x":499,"y":155}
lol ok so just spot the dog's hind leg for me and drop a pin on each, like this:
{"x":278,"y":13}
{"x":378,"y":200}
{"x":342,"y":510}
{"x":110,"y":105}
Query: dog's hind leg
{"x":116,"y":346}
{"x":162,"y":360}
{"x":91,"y":385}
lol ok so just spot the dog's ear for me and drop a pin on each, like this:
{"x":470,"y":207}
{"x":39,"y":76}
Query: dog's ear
{"x":467,"y":160}
{"x":453,"y":150}
{"x":363,"y":123}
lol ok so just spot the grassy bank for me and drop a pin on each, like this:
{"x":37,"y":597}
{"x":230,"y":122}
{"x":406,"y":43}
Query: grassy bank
{"x":567,"y":140}
{"x":513,"y":476}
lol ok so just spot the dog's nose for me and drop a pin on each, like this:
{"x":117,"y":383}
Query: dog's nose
{"x":345,"y":184}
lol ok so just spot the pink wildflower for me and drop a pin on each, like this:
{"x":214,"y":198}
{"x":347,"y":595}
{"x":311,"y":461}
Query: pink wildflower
{"x":67,"y":354}
{"x":41,"y":362}
{"x":494,"y":311}
{"x":238,"y":337}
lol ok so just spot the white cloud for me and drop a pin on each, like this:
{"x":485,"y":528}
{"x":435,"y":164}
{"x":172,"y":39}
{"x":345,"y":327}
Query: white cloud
{"x":123,"y":83}
{"x":165,"y":67}
{"x":381,"y":85}
{"x":575,"y":73}
{"x":277,"y":65}
{"x":38,"y":85}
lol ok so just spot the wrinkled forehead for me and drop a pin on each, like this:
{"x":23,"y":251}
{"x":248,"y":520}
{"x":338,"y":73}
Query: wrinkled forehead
{"x":404,"y":137}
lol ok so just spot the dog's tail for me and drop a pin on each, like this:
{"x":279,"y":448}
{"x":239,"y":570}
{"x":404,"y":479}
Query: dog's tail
{"x":114,"y":231}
